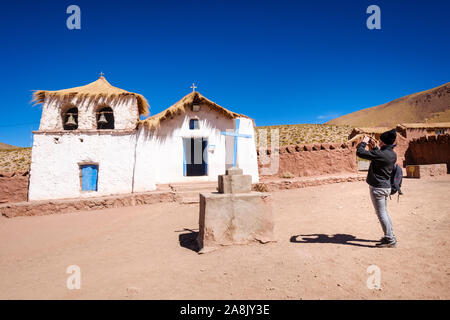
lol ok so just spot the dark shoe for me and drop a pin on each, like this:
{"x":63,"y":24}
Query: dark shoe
{"x":385,"y":243}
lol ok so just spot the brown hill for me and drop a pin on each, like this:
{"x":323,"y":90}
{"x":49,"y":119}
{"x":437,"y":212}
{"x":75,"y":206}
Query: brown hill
{"x":428,"y":106}
{"x":4,"y":146}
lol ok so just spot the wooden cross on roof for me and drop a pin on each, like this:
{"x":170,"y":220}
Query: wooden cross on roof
{"x":101,"y":74}
{"x":193,"y":87}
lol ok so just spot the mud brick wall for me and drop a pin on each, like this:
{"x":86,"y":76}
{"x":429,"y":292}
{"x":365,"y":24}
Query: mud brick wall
{"x":44,"y":207}
{"x":429,"y":150}
{"x":13,"y":187}
{"x":314,"y":159}
{"x":401,"y":149}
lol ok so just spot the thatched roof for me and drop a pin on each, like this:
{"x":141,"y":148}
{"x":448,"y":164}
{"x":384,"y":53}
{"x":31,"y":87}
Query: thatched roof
{"x":94,"y":90}
{"x":373,"y":130}
{"x":153,"y":122}
{"x":431,"y":125}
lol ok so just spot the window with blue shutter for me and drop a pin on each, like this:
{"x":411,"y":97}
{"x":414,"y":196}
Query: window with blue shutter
{"x":193,"y":124}
{"x":89,"y":177}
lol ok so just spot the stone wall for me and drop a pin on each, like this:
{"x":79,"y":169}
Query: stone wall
{"x":13,"y":187}
{"x":429,"y":150}
{"x":401,"y":149}
{"x":312,"y":160}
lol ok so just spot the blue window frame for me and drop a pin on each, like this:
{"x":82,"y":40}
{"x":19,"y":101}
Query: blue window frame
{"x":89,"y":177}
{"x":193,"y":124}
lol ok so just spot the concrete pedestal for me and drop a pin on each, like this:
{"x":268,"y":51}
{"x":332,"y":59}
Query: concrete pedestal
{"x":234,"y":218}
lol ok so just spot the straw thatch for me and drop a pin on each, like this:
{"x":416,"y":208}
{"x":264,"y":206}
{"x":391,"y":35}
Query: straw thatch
{"x":95,"y":90}
{"x":431,"y":125}
{"x":154,"y":122}
{"x":372,"y":130}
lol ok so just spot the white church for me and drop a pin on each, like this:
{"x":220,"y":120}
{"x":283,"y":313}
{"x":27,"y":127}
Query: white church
{"x":91,"y":142}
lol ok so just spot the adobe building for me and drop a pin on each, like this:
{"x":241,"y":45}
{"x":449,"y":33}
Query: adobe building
{"x":91,"y":142}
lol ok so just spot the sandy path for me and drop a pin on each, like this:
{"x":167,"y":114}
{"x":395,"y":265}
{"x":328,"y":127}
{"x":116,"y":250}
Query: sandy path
{"x":136,"y":252}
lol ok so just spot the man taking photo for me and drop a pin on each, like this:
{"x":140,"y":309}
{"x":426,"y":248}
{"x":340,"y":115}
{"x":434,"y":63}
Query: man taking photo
{"x":382,"y":162}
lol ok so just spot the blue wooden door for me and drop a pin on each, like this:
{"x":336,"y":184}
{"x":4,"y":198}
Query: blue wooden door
{"x":89,"y":177}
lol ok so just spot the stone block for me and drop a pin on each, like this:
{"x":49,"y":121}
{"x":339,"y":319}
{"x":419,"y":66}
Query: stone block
{"x":426,"y":170}
{"x":235,"y":183}
{"x":227,"y":219}
{"x":234,"y":171}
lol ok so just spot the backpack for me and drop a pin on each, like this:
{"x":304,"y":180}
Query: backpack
{"x":396,"y":180}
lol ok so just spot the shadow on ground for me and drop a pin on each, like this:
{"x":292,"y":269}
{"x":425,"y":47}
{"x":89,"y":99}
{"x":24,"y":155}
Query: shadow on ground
{"x":336,"y":239}
{"x":189,"y":240}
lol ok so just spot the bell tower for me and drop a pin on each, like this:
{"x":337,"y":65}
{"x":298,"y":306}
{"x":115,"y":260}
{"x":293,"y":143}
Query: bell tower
{"x":82,"y":132}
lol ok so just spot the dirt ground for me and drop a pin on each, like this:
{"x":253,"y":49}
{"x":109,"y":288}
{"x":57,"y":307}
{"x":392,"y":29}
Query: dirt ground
{"x":147,"y":252}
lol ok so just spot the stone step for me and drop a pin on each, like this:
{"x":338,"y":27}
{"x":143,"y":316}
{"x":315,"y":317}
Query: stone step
{"x":188,"y":200}
{"x":191,"y":196}
{"x":199,"y":186}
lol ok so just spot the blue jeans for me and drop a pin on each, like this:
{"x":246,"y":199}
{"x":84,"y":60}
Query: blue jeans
{"x":379,"y":200}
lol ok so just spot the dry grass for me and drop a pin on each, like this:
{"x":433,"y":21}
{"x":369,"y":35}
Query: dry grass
{"x":14,"y":160}
{"x":307,"y":133}
{"x":287,"y":175}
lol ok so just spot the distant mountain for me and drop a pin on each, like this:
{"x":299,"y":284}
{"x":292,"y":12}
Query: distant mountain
{"x":4,"y":146}
{"x":428,"y":106}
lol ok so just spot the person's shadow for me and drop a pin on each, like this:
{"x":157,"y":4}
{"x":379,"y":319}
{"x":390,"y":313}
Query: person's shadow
{"x":337,"y":239}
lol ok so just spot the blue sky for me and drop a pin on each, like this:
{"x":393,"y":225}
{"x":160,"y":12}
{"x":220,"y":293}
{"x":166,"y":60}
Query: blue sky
{"x":280,"y":62}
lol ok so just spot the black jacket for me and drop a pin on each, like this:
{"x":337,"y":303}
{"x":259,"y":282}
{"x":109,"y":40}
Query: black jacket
{"x":382,"y":163}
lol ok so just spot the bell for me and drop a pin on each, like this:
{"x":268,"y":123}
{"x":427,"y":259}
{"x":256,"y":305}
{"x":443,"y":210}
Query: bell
{"x":102,"y":119}
{"x":71,"y":121}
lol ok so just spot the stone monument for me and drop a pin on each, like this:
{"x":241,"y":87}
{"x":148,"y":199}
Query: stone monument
{"x":235,"y":214}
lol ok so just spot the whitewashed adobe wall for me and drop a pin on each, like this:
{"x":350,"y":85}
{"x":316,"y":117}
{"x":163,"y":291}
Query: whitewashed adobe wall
{"x":129,"y":160}
{"x":55,"y":171}
{"x":159,"y":153}
{"x":57,"y":153}
{"x":125,"y":113}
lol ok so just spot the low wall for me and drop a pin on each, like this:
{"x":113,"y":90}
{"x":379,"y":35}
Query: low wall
{"x":13,"y":186}
{"x":429,"y":150}
{"x":43,"y":207}
{"x":297,"y":183}
{"x":401,"y":149}
{"x":313,"y":160}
